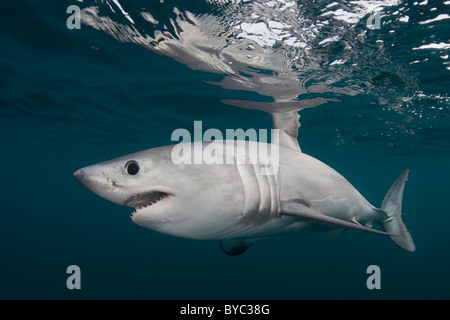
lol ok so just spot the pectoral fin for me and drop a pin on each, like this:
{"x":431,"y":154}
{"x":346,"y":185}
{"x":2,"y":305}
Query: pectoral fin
{"x":298,"y":209}
{"x":235,"y":247}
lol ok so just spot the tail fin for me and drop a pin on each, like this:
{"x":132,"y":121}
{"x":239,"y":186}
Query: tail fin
{"x":392,"y":206}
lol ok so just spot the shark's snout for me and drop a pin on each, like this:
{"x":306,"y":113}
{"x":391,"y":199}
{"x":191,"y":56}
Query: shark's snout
{"x":80,"y":175}
{"x":91,"y":179}
{"x":96,"y":179}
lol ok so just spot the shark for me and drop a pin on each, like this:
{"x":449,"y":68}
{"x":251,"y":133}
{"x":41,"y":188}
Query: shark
{"x":240,"y":203}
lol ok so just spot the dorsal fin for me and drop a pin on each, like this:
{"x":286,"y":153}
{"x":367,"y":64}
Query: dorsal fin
{"x":284,"y":115}
{"x":287,"y":124}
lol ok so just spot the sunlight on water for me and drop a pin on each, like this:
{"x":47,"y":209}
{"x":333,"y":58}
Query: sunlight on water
{"x":297,"y":55}
{"x":378,"y":71}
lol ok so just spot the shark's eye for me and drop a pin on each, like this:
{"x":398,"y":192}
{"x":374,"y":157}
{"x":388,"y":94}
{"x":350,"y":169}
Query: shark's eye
{"x":132,"y":167}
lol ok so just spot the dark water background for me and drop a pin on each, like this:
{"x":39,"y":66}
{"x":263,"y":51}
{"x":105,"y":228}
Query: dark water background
{"x":71,"y":98}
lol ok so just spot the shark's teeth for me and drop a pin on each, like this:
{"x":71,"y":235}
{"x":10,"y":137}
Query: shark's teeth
{"x":144,"y":200}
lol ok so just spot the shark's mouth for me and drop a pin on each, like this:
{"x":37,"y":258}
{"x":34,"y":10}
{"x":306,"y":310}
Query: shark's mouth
{"x":142,"y":200}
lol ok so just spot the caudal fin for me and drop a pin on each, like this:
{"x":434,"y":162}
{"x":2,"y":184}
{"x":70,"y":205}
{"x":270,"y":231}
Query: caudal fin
{"x":392,"y":206}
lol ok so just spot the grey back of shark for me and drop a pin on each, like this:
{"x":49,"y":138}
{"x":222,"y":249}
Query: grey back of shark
{"x":242,"y":202}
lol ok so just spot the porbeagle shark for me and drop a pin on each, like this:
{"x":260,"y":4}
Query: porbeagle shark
{"x":240,"y":203}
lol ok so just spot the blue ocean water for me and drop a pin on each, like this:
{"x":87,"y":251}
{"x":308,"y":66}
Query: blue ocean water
{"x":74,"y":97}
